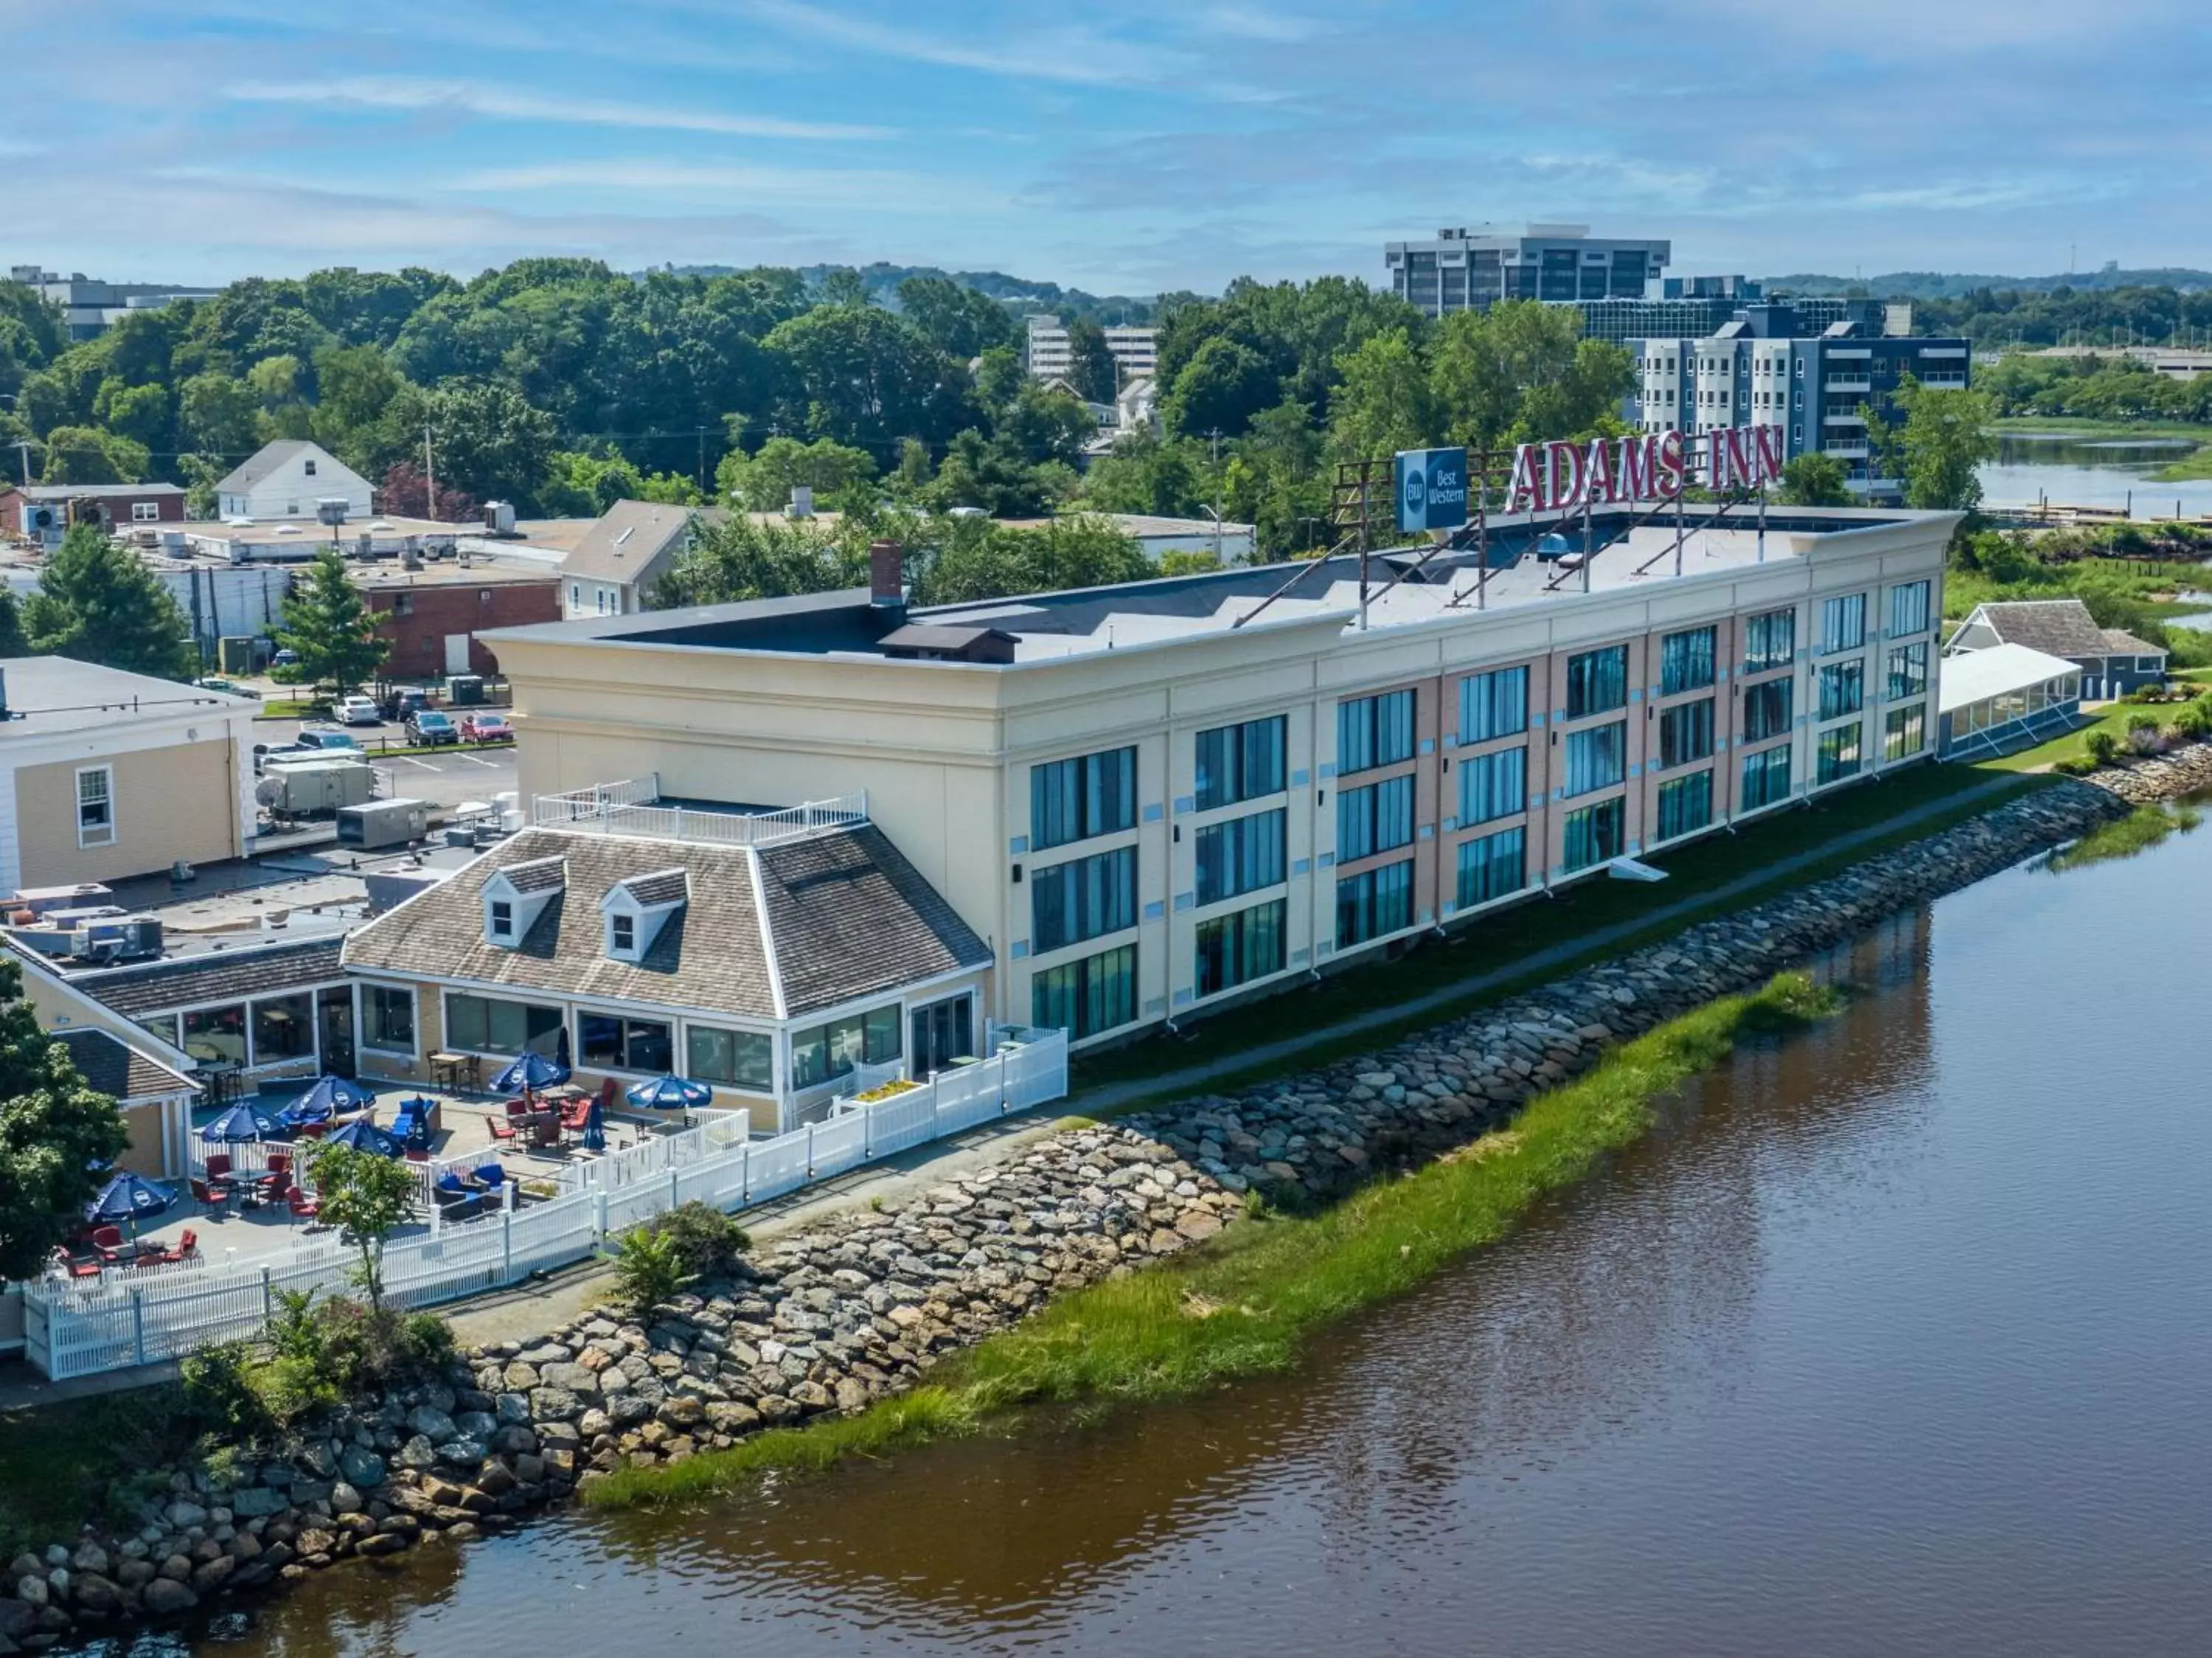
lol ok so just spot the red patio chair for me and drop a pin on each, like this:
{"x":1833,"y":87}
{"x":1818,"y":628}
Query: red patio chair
{"x":90,"y":1267}
{"x":209,"y":1194}
{"x":108,"y":1240}
{"x":501,"y":1130}
{"x":188,"y":1249}
{"x":218,"y":1166}
{"x":303,"y":1207}
{"x":313,"y":1130}
{"x":280,"y":1162}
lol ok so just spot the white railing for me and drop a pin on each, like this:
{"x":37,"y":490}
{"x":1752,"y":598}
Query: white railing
{"x":146,"y":1315}
{"x":634,"y":808}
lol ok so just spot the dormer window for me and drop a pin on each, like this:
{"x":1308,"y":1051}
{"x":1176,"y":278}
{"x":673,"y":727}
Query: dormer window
{"x":636,"y":910}
{"x":515,"y":896}
{"x":502,"y":918}
{"x":621,"y":935}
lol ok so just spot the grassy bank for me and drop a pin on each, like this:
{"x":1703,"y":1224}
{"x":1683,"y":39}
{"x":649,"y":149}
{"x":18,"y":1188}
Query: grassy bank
{"x":2063,"y":425}
{"x":61,"y":1464}
{"x":2140,"y":830}
{"x":1245,"y":1304}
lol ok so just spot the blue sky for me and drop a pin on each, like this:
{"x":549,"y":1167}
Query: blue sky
{"x":1114,"y":146}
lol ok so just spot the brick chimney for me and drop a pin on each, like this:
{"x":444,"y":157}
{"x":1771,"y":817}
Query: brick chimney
{"x":887,"y":575}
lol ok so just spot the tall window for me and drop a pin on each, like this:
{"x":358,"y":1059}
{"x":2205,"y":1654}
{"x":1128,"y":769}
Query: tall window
{"x":284,"y":1028}
{"x":1767,"y":709}
{"x":738,"y":1059}
{"x":1493,"y":786}
{"x":1597,"y":681}
{"x":1494,"y":705}
{"x":1372,"y":731}
{"x":1685,"y":733}
{"x":1842,"y":689}
{"x":1908,"y":672}
{"x":387,"y":1018}
{"x":1596,"y":758}
{"x":1241,"y":762}
{"x":1375,"y":818}
{"x":1241,"y":855}
{"x":1904,"y":732}
{"x":1085,"y":899}
{"x":1908,"y":609}
{"x":1374,"y":903}
{"x":606,"y":1041}
{"x":1084,"y":998}
{"x":1236,"y":949}
{"x":1842,"y":624}
{"x":95,"y":806}
{"x":1073,"y":800}
{"x":1686,"y":661}
{"x":1492,"y":866}
{"x":1765,"y":777}
{"x":1595,"y":834}
{"x":1686,"y":805}
{"x":1838,"y":757}
{"x":825,"y":1052}
{"x":1769,"y":640}
{"x":482,"y":1024}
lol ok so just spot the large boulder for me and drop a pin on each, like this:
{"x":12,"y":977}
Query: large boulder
{"x":363,"y":1469}
{"x":167,"y":1598}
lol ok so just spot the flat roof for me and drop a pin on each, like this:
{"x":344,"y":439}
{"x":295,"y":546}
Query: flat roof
{"x":79,"y":492}
{"x":1629,"y":554}
{"x":1974,"y":676}
{"x":50,"y":695}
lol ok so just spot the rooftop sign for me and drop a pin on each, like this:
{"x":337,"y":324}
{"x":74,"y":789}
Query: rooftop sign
{"x":1431,"y":488}
{"x":1560,"y":476}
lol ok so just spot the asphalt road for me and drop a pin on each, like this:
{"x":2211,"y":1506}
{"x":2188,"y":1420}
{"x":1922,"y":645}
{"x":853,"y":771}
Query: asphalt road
{"x":444,"y":779}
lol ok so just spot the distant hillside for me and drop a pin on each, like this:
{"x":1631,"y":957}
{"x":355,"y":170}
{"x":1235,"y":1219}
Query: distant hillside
{"x":1020,"y":292}
{"x":1934,"y":284}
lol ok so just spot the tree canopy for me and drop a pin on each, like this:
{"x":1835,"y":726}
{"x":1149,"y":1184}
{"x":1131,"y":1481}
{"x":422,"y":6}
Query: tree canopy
{"x":335,"y":632}
{"x":97,"y":602}
{"x":56,"y":1136}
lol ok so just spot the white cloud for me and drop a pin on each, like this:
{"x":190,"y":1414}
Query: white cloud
{"x":407,"y":93}
{"x":890,"y":189}
{"x":1082,"y":57}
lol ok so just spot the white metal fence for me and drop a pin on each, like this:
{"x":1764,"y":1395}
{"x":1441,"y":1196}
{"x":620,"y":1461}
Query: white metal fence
{"x":633,"y":806}
{"x":146,"y":1315}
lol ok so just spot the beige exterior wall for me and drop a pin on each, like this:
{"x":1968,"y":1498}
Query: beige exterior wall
{"x":169,"y":802}
{"x":944,"y":751}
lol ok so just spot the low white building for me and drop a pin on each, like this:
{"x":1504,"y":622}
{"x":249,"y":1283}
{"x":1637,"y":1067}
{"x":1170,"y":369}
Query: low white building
{"x":286,"y":478}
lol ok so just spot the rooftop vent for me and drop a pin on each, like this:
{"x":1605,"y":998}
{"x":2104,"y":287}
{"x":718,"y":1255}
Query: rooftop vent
{"x":887,"y":575}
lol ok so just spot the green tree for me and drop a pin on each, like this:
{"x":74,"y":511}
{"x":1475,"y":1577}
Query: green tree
{"x":1090,"y":367}
{"x":56,"y":1136}
{"x":354,"y":385}
{"x":1384,"y":403}
{"x":1142,"y":473}
{"x":962,"y":560}
{"x":1221,"y":390}
{"x":867,"y":378}
{"x":12,"y":640}
{"x":763,"y":481}
{"x":1000,"y":377}
{"x":1939,"y":446}
{"x":141,"y":414}
{"x":649,"y":1271}
{"x":995,"y":475}
{"x":844,"y":286}
{"x":221,"y":416}
{"x":332,"y":628}
{"x":1042,"y":424}
{"x":1813,"y":479}
{"x":958,"y":321}
{"x":97,"y":602}
{"x":740,"y":558}
{"x":367,"y":1197}
{"x":1522,"y":373}
{"x":488,"y":440}
{"x":87,"y":454}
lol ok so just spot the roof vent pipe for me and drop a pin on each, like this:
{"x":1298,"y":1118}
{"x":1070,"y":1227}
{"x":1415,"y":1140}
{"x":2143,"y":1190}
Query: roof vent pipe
{"x":887,"y":575}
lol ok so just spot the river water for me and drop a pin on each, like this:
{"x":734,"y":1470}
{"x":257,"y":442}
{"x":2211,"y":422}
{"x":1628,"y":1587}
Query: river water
{"x":1895,"y":1339}
{"x":2076,"y":470}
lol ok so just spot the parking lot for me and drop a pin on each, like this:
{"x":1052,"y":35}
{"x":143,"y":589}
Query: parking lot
{"x":445,"y":777}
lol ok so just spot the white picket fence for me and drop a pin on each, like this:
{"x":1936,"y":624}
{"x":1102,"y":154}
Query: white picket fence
{"x":163,"y":1313}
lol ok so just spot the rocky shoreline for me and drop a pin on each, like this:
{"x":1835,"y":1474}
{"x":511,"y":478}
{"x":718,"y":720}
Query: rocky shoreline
{"x":860,"y":1306}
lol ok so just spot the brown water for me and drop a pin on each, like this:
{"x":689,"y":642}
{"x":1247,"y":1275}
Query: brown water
{"x":1897,"y":1339}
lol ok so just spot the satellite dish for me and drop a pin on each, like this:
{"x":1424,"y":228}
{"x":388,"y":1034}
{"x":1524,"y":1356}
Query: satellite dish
{"x":269,"y":792}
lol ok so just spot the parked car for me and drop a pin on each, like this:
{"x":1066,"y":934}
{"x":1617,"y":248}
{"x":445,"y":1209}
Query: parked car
{"x":265,"y":751}
{"x":487,"y":728}
{"x":358,"y":709}
{"x":285,"y":659}
{"x":227,"y":688}
{"x":327,"y":736}
{"x":402,"y":700}
{"x":428,"y":729}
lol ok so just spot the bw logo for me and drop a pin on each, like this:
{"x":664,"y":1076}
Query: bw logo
{"x":1417,"y":491}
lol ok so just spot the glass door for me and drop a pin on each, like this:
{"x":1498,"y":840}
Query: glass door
{"x":334,"y":1027}
{"x":942,"y":1032}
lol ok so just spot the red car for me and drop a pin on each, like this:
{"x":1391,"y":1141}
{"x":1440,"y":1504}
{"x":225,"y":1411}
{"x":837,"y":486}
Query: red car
{"x":487,"y":728}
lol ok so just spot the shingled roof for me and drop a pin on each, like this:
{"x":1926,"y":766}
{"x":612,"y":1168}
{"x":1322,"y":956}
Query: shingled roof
{"x":849,"y":918}
{"x":218,"y":976}
{"x":120,"y":1071}
{"x":2056,"y":627}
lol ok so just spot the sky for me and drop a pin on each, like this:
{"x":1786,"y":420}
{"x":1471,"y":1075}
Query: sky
{"x":1130,"y":146}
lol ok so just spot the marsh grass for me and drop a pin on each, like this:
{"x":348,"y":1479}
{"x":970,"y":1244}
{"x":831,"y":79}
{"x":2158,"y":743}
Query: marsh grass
{"x":1244,"y":1303}
{"x":2125,"y":837}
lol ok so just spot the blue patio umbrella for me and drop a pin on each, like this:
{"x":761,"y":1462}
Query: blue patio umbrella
{"x":530,"y":1072}
{"x":364,"y":1135}
{"x":128,"y":1196}
{"x":595,"y":1131}
{"x":243,"y":1122}
{"x":670,"y":1093}
{"x":328,"y":1096}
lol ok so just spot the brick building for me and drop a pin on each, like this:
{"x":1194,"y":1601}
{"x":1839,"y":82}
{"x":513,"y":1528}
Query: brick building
{"x":433,"y":616}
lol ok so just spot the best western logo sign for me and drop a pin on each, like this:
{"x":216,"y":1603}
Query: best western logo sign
{"x":1654,"y":467}
{"x":1431,"y":488}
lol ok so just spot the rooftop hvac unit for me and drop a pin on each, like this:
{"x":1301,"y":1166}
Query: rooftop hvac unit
{"x":331,"y":510}
{"x":383,"y":823}
{"x":802,"y":501}
{"x":499,"y":517}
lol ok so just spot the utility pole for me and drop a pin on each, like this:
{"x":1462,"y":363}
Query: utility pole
{"x":22,"y":447}
{"x":429,"y":479}
{"x":1216,"y":436}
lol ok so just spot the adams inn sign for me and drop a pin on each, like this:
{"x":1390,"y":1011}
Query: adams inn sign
{"x":1559,"y":476}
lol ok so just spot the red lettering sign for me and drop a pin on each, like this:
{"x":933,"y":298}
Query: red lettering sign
{"x":1560,"y":476}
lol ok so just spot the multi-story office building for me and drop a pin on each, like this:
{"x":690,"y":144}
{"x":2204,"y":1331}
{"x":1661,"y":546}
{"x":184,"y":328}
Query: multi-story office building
{"x":1766,"y":368}
{"x":91,"y":307}
{"x":1136,"y":349}
{"x":1152,"y":798}
{"x":1473,"y":269}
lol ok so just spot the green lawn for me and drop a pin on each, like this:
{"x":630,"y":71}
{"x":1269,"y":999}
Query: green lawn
{"x":1505,"y":935}
{"x":2074,"y":744}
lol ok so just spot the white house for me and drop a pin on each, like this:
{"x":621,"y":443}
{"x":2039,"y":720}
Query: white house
{"x":286,"y":478}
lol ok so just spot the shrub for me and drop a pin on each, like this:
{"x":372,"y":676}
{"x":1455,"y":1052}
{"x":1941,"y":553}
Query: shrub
{"x":2103,"y":748}
{"x":2144,"y":736}
{"x":219,"y":1390}
{"x":707,"y":1241}
{"x":2073,"y":765}
{"x":364,"y":1347}
{"x":649,"y":1271}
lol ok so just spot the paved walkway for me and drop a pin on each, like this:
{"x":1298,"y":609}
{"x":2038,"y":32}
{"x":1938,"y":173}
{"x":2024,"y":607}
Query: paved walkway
{"x":525,"y":1309}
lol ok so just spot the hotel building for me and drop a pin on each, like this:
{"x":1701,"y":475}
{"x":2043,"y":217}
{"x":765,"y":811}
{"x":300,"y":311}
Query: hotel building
{"x":1149,"y":799}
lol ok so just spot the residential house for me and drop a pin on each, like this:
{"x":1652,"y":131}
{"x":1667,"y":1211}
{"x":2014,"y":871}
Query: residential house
{"x":106,"y":775}
{"x":614,"y":566}
{"x":2112,"y":663}
{"x":286,"y":479}
{"x":43,"y":512}
{"x":771,"y":957}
